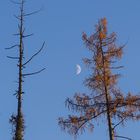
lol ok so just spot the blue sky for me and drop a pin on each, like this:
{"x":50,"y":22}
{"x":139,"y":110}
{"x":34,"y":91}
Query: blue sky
{"x":61,"y":24}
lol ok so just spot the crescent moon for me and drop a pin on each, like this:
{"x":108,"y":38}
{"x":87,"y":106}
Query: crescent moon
{"x":78,"y":69}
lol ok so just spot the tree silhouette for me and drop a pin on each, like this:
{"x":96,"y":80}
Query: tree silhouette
{"x":18,"y":119}
{"x":106,"y":100}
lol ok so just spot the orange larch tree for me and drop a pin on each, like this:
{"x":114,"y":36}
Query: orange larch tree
{"x":105,"y":100}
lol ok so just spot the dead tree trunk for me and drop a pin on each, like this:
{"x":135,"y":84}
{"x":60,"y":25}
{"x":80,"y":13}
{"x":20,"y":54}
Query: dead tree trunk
{"x":18,"y":119}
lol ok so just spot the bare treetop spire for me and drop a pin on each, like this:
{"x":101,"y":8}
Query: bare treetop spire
{"x":18,"y":119}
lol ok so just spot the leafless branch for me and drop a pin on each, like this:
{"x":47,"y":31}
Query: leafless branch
{"x":35,"y":54}
{"x":24,"y":36}
{"x":119,"y":123}
{"x":123,"y":137}
{"x":12,"y":47}
{"x":12,"y":57}
{"x":33,"y":73}
{"x":17,"y":17}
{"x":32,"y":13}
{"x":15,"y":2}
{"x":17,"y":34}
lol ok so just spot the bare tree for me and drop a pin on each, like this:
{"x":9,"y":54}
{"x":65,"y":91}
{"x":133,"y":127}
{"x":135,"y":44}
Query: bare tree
{"x":18,"y":119}
{"x":106,"y":100}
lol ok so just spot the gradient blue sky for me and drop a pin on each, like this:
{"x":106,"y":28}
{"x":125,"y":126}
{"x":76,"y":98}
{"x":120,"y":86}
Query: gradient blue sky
{"x":60,"y":24}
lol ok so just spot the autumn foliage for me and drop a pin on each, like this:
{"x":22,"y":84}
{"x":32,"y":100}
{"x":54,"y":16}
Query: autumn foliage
{"x":105,"y":100}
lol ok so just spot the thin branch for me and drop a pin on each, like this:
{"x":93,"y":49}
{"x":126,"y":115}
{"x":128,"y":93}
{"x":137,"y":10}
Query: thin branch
{"x":16,"y":34}
{"x":15,"y":2}
{"x":84,"y":106}
{"x":17,"y":17}
{"x":32,"y":13}
{"x":12,"y":57}
{"x":119,"y":67}
{"x":86,"y":120}
{"x":119,"y":123}
{"x":24,"y":36}
{"x":12,"y":47}
{"x":123,"y":137}
{"x":34,"y":54}
{"x":33,"y":73}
